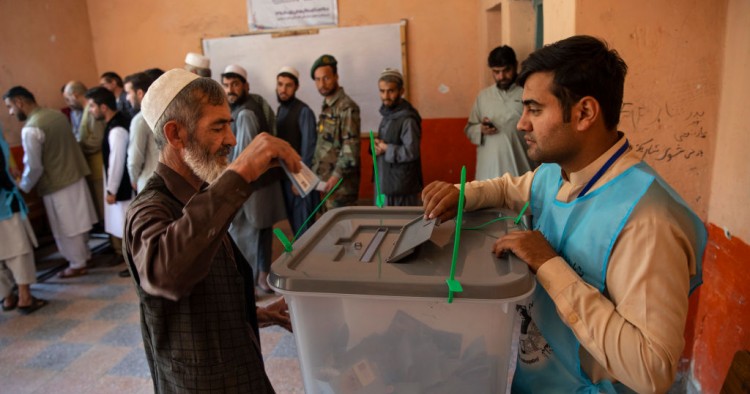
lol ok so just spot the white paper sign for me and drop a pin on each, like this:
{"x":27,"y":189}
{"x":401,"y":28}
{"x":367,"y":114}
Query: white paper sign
{"x":282,"y":14}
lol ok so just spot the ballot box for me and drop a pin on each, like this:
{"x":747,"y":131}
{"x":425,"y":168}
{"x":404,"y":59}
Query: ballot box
{"x":367,"y":294}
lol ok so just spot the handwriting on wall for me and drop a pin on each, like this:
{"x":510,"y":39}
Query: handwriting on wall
{"x":685,"y":126}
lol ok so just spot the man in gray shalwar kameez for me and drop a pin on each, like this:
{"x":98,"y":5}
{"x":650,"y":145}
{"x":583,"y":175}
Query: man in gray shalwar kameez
{"x":492,"y":123}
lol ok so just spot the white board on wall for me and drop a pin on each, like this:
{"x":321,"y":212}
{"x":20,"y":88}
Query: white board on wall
{"x":362,"y":53}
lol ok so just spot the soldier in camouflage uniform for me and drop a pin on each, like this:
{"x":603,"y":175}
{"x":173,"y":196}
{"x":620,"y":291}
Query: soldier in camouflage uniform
{"x":337,"y":149}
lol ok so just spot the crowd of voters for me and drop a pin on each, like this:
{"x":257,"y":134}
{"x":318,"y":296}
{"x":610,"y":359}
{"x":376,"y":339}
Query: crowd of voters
{"x":181,"y":171}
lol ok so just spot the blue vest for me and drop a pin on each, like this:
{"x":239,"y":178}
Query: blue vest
{"x":583,"y":232}
{"x":7,"y":196}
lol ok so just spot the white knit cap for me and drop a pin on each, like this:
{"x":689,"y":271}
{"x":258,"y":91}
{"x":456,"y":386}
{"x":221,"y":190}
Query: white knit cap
{"x":197,"y":60}
{"x":235,"y":69}
{"x":161,"y":93}
{"x":288,"y":70}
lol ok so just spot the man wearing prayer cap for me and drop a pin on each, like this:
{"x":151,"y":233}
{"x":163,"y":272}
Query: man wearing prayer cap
{"x":397,"y":146}
{"x":252,"y":228}
{"x":295,"y":123}
{"x":337,"y":147}
{"x":198,"y":313}
{"x":198,"y":64}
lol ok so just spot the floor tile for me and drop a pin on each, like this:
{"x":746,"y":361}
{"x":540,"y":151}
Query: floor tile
{"x":89,"y":331}
{"x":57,"y":356}
{"x":119,"y":384}
{"x":52,"y":329}
{"x":284,"y":374}
{"x":18,"y":380}
{"x":19,"y":351}
{"x":84,"y":309}
{"x":127,"y":334}
{"x":97,"y":361}
{"x":107,"y":292}
{"x":134,"y":364}
{"x":116,"y":311}
{"x":19,"y":325}
{"x":286,"y":347}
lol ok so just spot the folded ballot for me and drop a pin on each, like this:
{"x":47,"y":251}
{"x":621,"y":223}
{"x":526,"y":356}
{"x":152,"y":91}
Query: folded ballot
{"x":305,"y":180}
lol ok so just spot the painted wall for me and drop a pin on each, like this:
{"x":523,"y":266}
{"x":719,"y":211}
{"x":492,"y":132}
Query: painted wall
{"x":730,"y":185}
{"x":671,"y":105}
{"x":722,"y":312}
{"x":42,"y":51}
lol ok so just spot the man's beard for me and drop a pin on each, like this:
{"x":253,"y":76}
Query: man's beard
{"x":206,"y":166}
{"x":505,"y":85}
{"x":281,"y":101}
{"x":21,"y":116}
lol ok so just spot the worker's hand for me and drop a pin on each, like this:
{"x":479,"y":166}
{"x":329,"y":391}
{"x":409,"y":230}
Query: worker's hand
{"x":330,"y":183}
{"x":529,"y":246}
{"x":440,"y":201}
{"x":111,"y":198}
{"x":263,"y":153}
{"x":380,"y":147}
{"x":276,"y":313}
{"x":487,"y":127}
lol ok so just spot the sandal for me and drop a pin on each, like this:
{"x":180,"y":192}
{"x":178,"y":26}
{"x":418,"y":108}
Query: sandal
{"x":36,"y":303}
{"x":71,"y":273}
{"x":11,"y":306}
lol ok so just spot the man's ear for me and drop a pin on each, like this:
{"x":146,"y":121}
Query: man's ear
{"x":586,"y":112}
{"x":175,"y":134}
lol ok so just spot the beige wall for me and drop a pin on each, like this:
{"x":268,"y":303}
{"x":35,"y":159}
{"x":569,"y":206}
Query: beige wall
{"x":730,"y":185}
{"x":133,"y":35}
{"x":43,"y":45}
{"x":504,"y":22}
{"x":672,"y":89}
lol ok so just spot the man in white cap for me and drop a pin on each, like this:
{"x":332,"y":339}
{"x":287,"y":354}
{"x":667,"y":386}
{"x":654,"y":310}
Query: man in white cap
{"x":295,"y":123}
{"x":198,"y":64}
{"x":234,"y":80}
{"x":397,"y":146}
{"x":252,"y":228}
{"x":198,"y":312}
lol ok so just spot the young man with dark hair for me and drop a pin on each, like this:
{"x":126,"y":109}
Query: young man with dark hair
{"x":492,"y":123}
{"x":615,"y":250}
{"x":142,"y":151}
{"x":252,"y":228}
{"x":117,"y":187}
{"x":397,"y":146}
{"x":56,"y":168}
{"x":295,"y":123}
{"x":337,"y":148}
{"x":112,"y":81}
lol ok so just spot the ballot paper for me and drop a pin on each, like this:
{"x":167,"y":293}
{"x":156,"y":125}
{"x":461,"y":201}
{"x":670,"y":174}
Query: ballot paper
{"x":305,"y":180}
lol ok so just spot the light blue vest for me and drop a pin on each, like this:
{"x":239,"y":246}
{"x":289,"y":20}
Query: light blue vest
{"x":583,"y":232}
{"x":7,"y":196}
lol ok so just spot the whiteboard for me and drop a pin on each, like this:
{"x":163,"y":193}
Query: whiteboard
{"x":362,"y":53}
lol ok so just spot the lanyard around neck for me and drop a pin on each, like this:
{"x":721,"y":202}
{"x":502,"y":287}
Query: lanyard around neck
{"x":604,"y":169}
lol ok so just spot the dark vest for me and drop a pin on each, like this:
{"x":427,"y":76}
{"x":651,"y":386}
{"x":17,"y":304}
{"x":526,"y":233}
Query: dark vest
{"x":399,"y":178}
{"x":125,"y":190}
{"x":288,"y":128}
{"x":254,"y":106}
{"x":275,"y":174}
{"x":207,"y":341}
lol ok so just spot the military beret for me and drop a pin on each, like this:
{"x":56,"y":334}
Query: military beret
{"x":325,"y":60}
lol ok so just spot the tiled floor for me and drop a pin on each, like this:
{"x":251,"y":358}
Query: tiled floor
{"x":88,"y":340}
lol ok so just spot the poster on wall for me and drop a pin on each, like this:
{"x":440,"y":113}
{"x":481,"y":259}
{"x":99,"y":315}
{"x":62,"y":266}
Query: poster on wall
{"x":284,"y":14}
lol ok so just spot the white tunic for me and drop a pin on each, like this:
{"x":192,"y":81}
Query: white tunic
{"x":504,"y":151}
{"x":114,"y":214}
{"x":70,"y":210}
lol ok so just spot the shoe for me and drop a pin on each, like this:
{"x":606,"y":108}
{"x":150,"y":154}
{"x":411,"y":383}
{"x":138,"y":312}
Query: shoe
{"x":11,"y":306}
{"x":124,"y":273}
{"x":71,"y":273}
{"x":36,"y":303}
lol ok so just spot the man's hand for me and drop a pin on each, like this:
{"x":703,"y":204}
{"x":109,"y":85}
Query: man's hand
{"x":275,"y":314}
{"x":264,"y":152}
{"x":110,"y":198}
{"x":330,"y":183}
{"x":440,"y":200}
{"x":487,"y":127}
{"x":529,"y":246}
{"x":380,"y":147}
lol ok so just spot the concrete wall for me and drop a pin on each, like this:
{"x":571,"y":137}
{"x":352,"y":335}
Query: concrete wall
{"x":43,"y":45}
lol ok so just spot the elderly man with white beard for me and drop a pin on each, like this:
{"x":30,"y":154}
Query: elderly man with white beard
{"x":198,"y":314}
